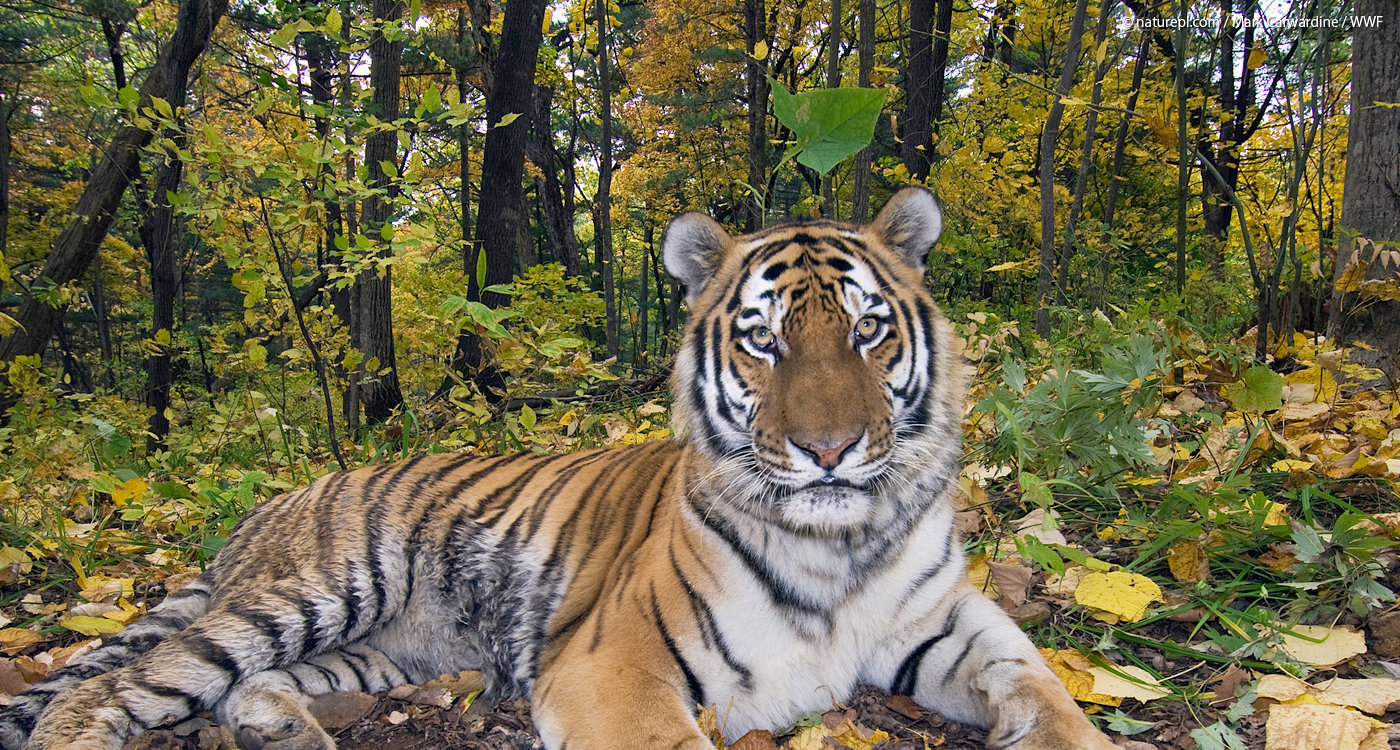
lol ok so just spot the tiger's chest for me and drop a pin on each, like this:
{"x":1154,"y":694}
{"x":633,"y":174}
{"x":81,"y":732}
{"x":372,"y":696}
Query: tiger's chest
{"x":797,"y":629}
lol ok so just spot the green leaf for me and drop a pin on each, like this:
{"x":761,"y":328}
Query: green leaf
{"x":1035,"y":490}
{"x":499,"y":289}
{"x":830,"y":124}
{"x":1217,"y":736}
{"x":432,"y":99}
{"x":480,"y":267}
{"x":163,"y":107}
{"x":333,"y":22}
{"x":128,"y":96}
{"x":386,"y":230}
{"x":1120,"y":723}
{"x":1259,"y":390}
{"x":415,"y":9}
{"x":173,"y":490}
{"x":1307,"y":543}
{"x":93,"y":97}
{"x":527,"y":417}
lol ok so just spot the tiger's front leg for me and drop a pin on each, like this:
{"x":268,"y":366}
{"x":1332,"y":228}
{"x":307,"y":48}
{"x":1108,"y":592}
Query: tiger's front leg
{"x":618,"y":685}
{"x":977,"y":666}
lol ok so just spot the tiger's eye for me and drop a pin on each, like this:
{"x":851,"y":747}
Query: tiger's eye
{"x":867,"y":328}
{"x":762,"y":338}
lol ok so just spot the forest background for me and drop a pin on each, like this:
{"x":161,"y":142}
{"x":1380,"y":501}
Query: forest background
{"x":247,"y":244}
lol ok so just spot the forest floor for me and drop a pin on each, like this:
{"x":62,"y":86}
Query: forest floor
{"x":880,"y":722}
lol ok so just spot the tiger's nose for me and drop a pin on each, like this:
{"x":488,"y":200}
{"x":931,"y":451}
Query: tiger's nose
{"x":827,"y":453}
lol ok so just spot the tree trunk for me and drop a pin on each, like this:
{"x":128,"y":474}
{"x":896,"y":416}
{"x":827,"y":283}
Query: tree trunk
{"x":1225,"y":154}
{"x":1183,"y":177}
{"x":379,"y":388}
{"x":1086,"y":157}
{"x":833,"y":81}
{"x":917,"y":124}
{"x":602,"y":204}
{"x":1370,"y":200}
{"x":158,"y":235}
{"x":938,"y":71}
{"x":756,"y":87}
{"x":76,"y":246}
{"x":865,"y":45}
{"x":7,"y":108}
{"x":502,"y":222}
{"x":1048,"y":140}
{"x":649,"y":239}
{"x":559,"y":226}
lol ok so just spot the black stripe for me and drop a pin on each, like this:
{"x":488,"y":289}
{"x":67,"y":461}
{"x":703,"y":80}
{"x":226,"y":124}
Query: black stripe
{"x":906,"y":677}
{"x":212,"y":653}
{"x":697,"y":692}
{"x":781,"y":594}
{"x":709,"y":630}
{"x":967,"y":649}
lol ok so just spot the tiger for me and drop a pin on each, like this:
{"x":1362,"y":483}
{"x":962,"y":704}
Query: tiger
{"x":795,"y":539}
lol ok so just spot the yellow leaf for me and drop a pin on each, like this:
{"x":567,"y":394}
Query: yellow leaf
{"x":811,"y":738}
{"x":1291,"y":464}
{"x":1138,"y":685}
{"x":1352,"y":276}
{"x":15,"y":640}
{"x":1321,"y":646}
{"x":1315,"y":727}
{"x":1256,"y":57}
{"x":981,"y":576}
{"x":1373,"y":695}
{"x":1189,"y":562}
{"x":760,"y":51}
{"x":13,"y":556}
{"x":505,"y":120}
{"x":1121,"y":594}
{"x":131,"y":488}
{"x":1074,"y":671}
{"x":91,"y":625}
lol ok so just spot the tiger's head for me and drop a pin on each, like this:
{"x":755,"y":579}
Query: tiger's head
{"x":816,"y":372}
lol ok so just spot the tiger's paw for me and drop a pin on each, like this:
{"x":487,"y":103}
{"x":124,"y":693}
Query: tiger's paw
{"x":1061,"y":733}
{"x":306,"y":736}
{"x":269,"y":714}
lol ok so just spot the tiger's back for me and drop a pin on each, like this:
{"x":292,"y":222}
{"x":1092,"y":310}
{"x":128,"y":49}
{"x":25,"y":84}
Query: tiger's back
{"x":796,"y":540}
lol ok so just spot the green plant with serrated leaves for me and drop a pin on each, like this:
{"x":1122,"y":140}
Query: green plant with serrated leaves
{"x":1076,"y":425}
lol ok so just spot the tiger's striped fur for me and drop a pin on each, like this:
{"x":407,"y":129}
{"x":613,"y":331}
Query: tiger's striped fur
{"x":795,"y":541}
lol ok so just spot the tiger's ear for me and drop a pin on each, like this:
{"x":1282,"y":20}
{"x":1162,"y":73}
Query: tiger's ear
{"x":910,"y":223}
{"x":694,"y":249}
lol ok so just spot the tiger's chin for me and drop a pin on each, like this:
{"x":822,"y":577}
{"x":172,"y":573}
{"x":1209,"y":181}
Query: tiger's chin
{"x":826,"y":508}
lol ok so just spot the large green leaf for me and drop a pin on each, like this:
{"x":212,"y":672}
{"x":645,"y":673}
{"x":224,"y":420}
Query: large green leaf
{"x":829,"y":124}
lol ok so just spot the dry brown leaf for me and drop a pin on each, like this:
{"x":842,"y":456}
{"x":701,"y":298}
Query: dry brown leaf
{"x":1315,"y":727}
{"x":341,"y":709}
{"x":12,"y":682}
{"x":15,"y":640}
{"x":1189,"y":562}
{"x":1374,"y":696}
{"x":1073,"y":670}
{"x":905,"y":706}
{"x":1320,"y":646}
{"x":1279,"y":557}
{"x":1012,"y":581}
{"x":1063,"y":587}
{"x":1281,"y":687}
{"x":756,"y":739}
{"x":1034,"y":524}
{"x":980,"y":575}
{"x":1141,"y":687}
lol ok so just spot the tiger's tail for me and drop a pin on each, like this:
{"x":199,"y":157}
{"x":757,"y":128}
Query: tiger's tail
{"x":174,"y":614}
